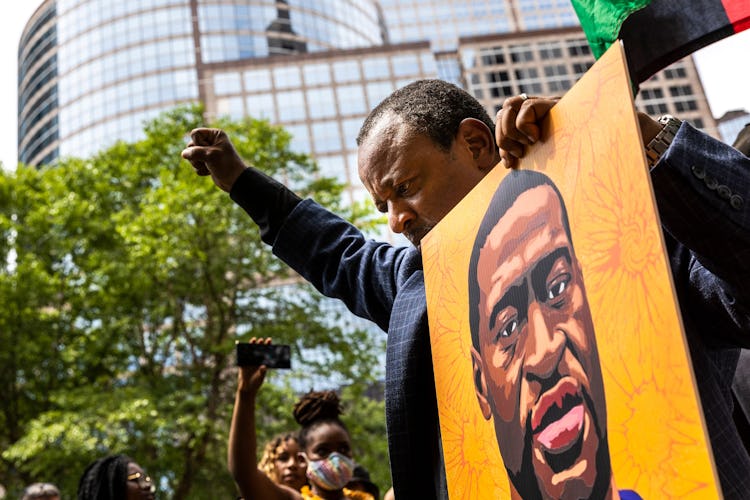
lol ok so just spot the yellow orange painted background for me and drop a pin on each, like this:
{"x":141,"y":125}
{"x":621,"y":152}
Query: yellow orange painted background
{"x":593,"y":153}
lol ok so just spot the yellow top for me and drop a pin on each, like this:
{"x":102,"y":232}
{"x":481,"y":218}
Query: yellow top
{"x":307,"y":494}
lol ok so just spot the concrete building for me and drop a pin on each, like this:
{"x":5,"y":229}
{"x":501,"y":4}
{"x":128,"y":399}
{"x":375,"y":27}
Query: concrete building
{"x":731,"y":123}
{"x":92,"y":71}
{"x":321,"y":98}
{"x":549,"y":62}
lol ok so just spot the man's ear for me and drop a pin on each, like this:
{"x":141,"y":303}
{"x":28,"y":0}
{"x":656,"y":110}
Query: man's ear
{"x":480,"y":384}
{"x":480,"y":140}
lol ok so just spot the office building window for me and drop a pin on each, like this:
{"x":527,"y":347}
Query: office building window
{"x":351,"y":99}
{"x":321,"y":103}
{"x":291,"y":106}
{"x":286,"y":77}
{"x":317,"y":74}
{"x":499,"y":85}
{"x":521,"y":53}
{"x":550,"y":51}
{"x":257,"y":79}
{"x":227,"y":83}
{"x":261,"y":106}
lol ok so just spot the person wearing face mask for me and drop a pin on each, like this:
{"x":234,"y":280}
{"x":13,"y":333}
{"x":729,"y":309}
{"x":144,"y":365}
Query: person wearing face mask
{"x":323,"y":439}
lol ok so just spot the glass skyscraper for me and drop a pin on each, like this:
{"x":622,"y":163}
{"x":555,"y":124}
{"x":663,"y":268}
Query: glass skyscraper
{"x":91,"y":71}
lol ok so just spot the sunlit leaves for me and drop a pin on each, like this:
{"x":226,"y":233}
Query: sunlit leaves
{"x":128,"y":281}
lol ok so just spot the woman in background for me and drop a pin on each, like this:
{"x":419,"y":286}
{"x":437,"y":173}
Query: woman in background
{"x":283,"y":461}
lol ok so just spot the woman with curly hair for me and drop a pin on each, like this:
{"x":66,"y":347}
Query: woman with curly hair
{"x":323,"y":438}
{"x":283,"y":461}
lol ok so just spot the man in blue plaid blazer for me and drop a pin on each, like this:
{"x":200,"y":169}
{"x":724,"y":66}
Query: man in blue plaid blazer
{"x":420,"y":151}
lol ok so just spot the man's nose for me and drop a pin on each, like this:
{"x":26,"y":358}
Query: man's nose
{"x":399,"y":216}
{"x":545,"y":344}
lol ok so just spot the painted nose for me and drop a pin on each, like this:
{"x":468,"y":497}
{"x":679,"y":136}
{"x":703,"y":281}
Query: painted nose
{"x":399,"y":217}
{"x":545,"y":344}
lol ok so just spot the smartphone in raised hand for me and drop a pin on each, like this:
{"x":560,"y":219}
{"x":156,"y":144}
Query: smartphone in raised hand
{"x":270,"y":355}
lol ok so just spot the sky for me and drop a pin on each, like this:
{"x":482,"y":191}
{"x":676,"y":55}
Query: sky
{"x":722,"y":66}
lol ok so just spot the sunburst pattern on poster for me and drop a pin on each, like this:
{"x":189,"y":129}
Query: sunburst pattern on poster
{"x":592,"y":152}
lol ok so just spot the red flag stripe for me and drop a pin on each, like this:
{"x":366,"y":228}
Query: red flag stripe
{"x":738,"y":12}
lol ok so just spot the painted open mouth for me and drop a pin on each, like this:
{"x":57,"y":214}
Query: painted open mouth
{"x":557,"y":424}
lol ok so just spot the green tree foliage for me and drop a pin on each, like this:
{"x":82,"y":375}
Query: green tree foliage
{"x":128,"y":281}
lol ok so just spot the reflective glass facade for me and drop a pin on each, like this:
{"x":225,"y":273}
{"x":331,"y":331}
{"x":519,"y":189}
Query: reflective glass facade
{"x":239,"y":30}
{"x":92,"y":71}
{"x":38,"y":96}
{"x":443,"y":22}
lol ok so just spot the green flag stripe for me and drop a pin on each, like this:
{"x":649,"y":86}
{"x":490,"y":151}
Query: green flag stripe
{"x":601,"y":20}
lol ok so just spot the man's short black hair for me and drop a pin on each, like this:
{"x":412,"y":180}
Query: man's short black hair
{"x":434,"y":108}
{"x":515,"y":183}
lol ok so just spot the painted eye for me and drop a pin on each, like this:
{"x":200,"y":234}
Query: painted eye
{"x":510,"y":328}
{"x":558,"y":286}
{"x":556,"y":290}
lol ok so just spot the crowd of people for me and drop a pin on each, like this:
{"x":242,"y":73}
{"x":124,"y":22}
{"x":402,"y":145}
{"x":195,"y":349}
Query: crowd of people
{"x":310,"y":463}
{"x":314,"y":462}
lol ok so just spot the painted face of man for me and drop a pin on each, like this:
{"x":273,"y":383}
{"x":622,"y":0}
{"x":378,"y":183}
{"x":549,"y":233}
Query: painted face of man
{"x":537,"y":368}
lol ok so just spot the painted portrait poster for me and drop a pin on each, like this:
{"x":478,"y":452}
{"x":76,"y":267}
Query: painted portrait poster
{"x":560,"y":362}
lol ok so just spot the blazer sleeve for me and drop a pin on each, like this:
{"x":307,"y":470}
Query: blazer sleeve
{"x":702,"y":187}
{"x":342,"y":263}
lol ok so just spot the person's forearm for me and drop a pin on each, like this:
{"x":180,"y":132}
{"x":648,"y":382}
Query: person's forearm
{"x":267,"y":201}
{"x":242,"y":457}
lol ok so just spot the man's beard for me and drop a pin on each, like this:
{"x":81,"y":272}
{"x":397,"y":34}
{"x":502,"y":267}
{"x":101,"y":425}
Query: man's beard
{"x":415,"y":234}
{"x":525,"y":481}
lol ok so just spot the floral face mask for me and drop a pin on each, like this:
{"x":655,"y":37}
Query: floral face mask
{"x":332,"y":473}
